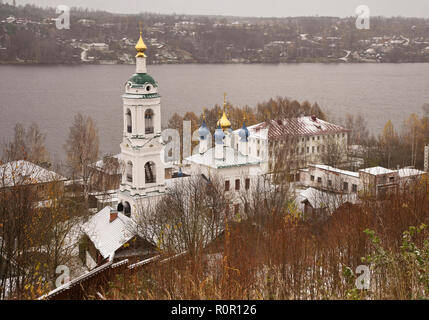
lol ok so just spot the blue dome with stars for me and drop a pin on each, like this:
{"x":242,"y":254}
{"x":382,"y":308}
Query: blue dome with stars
{"x":219,"y":135}
{"x":203,"y":131}
{"x":243,"y":133}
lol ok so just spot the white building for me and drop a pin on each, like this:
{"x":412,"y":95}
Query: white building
{"x":375,"y":182}
{"x":141,"y":148}
{"x":307,"y":140}
{"x":331,"y":179}
{"x":239,"y":170}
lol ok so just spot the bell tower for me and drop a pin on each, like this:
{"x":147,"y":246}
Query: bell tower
{"x":143,"y":173}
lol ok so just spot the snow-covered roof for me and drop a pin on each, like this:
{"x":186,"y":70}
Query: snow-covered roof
{"x":377,"y":171}
{"x":233,"y":158}
{"x":302,"y":126}
{"x":409,"y":172}
{"x":332,"y":169}
{"x":319,"y":199}
{"x":23,"y":172}
{"x":255,"y":132}
{"x":109,"y":236}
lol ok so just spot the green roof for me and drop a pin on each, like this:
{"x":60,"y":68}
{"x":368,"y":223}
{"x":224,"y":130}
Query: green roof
{"x":139,"y":79}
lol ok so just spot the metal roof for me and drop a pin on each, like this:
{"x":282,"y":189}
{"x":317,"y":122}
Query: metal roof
{"x":303,"y":126}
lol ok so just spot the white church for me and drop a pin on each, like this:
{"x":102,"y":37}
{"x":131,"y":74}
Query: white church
{"x":239,"y":157}
{"x":144,"y":180}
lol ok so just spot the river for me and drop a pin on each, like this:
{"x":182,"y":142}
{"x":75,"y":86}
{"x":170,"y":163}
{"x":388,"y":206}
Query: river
{"x":52,"y":95}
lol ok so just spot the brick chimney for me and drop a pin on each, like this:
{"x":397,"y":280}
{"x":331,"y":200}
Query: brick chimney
{"x":113,"y":215}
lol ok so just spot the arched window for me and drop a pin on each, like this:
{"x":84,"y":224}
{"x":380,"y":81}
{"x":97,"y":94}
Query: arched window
{"x":127,"y":209}
{"x":129,"y":171}
{"x":129,"y":123}
{"x":150,"y":172}
{"x":120,"y":207}
{"x":148,"y":121}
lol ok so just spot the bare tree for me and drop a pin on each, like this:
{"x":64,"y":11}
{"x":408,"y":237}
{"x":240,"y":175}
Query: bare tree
{"x":27,"y":145}
{"x":35,"y":224}
{"x":332,"y":152}
{"x":82,"y":148}
{"x":188,"y":218}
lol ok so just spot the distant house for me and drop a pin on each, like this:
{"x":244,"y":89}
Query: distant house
{"x":25,"y":174}
{"x":379,"y":182}
{"x":317,"y":204}
{"x":10,"y":19}
{"x":375,"y":182}
{"x":86,"y":22}
{"x":331,"y":179}
{"x":99,"y":46}
{"x":111,"y":234}
{"x":408,"y":177}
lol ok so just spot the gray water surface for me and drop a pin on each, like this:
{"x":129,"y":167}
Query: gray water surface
{"x":52,"y":95}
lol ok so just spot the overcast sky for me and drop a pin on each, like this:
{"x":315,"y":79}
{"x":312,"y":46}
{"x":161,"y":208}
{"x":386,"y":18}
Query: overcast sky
{"x":266,"y":8}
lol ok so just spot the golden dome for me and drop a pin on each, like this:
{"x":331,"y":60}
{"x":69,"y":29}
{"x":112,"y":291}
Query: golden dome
{"x":223,"y":121}
{"x":141,"y":47}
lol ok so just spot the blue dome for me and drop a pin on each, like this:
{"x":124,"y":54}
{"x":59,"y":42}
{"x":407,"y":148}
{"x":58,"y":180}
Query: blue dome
{"x":203,"y":131}
{"x":244,"y":133}
{"x":219,"y":135}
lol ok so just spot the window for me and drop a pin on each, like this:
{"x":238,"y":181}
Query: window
{"x":318,"y":137}
{"x":318,"y":149}
{"x":150,"y":172}
{"x":148,"y":121}
{"x":302,"y":150}
{"x":247,"y":184}
{"x":308,"y":149}
{"x":227,"y":185}
{"x":127,"y":209}
{"x":129,"y":123}
{"x":354,"y":187}
{"x":330,"y":183}
{"x":345,"y":186}
{"x":237,"y":184}
{"x":129,"y":171}
{"x":312,"y":149}
{"x":392,"y":179}
{"x":312,"y":178}
{"x":319,"y":180}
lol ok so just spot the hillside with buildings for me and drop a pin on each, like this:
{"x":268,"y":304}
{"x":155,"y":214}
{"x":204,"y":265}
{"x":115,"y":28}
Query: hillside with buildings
{"x":28,"y":35}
